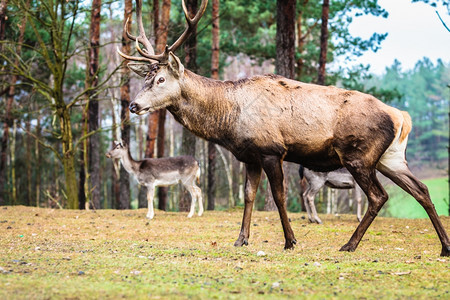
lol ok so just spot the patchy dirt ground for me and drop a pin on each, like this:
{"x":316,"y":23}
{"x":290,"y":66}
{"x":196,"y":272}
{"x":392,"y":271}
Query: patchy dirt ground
{"x":63,"y":254}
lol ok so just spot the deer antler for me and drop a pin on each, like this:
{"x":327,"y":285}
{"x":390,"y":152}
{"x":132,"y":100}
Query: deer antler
{"x":148,"y":52}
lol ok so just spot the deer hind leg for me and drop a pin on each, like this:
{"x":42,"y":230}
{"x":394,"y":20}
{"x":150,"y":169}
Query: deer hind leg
{"x":150,"y":194}
{"x":253,"y":176}
{"x":398,"y":172}
{"x":377,"y":196}
{"x":198,"y":193}
{"x":309,"y":196}
{"x":358,"y":199}
{"x":273,"y":167}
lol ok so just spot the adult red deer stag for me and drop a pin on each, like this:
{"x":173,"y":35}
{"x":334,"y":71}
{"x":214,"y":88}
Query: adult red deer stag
{"x":264,"y":120}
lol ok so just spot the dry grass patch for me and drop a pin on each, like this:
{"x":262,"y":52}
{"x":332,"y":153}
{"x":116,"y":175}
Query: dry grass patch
{"x":63,"y":254}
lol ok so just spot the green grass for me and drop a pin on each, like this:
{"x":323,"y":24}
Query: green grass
{"x":63,"y":254}
{"x":402,"y":205}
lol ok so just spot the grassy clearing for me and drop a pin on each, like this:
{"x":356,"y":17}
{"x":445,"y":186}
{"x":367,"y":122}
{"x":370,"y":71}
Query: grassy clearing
{"x":402,"y":205}
{"x":63,"y":254}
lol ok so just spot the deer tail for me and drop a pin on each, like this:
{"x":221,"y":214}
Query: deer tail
{"x":197,"y":175}
{"x":300,"y":172}
{"x":406,"y":127}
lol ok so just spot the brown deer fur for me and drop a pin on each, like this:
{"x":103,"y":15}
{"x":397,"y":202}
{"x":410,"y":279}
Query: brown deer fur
{"x":265,"y":120}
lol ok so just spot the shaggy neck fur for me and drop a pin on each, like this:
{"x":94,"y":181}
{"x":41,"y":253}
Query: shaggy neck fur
{"x":205,"y":108}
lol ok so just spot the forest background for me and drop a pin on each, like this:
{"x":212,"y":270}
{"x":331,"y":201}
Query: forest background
{"x":65,"y":93}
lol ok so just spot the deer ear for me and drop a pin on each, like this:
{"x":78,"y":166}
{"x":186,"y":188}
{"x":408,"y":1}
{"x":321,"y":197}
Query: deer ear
{"x":139,"y":68}
{"x":175,"y":65}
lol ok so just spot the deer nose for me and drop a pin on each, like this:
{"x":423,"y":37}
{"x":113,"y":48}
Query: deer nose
{"x":133,"y":107}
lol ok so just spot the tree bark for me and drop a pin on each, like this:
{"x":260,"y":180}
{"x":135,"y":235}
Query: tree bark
{"x":3,"y":7}
{"x":28,"y":157}
{"x":162,"y":191}
{"x":285,"y":60}
{"x":212,"y":152}
{"x":94,"y":140}
{"x":82,"y":172}
{"x":124,"y":199}
{"x":38,"y":161}
{"x":8,"y":120}
{"x":285,"y":38}
{"x":323,"y":42}
{"x":188,"y":140}
{"x":152,"y":119}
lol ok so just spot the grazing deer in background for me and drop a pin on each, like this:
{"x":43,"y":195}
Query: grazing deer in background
{"x":153,"y":172}
{"x":338,"y":179}
{"x":265,"y":120}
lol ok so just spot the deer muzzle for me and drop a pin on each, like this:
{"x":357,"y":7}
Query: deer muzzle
{"x":133,"y":107}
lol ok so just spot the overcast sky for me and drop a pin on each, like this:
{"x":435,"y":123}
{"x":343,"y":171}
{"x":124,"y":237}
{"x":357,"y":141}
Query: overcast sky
{"x":414,"y":31}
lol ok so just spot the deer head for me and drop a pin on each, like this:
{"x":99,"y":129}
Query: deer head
{"x":163,"y":73}
{"x":119,"y":150}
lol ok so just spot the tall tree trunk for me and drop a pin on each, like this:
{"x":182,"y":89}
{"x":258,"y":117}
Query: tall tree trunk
{"x":152,"y":130}
{"x":162,"y":30}
{"x":13,"y":164}
{"x":285,"y":39}
{"x":94,"y":140}
{"x":188,"y":139}
{"x":3,"y":7}
{"x":82,"y":173}
{"x":8,"y":120}
{"x":68,"y":157}
{"x":124,"y":202}
{"x":300,"y":45}
{"x":38,"y":161}
{"x":162,"y":191}
{"x":29,"y":159}
{"x":285,"y":60}
{"x":152,"y":133}
{"x":323,"y":42}
{"x":212,"y":152}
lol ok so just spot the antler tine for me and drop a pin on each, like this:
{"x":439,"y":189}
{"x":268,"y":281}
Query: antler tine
{"x":134,"y":58}
{"x":142,"y":38}
{"x":125,"y":28}
{"x":191,"y":23}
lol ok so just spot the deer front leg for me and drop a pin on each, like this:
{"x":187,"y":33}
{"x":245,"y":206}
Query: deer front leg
{"x":251,"y":185}
{"x":150,"y":193}
{"x":273,"y":166}
{"x":193,"y":193}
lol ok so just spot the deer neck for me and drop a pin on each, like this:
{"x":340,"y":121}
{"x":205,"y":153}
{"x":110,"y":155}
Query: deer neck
{"x":129,"y":164}
{"x":205,"y":107}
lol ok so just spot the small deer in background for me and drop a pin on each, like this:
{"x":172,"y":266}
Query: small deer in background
{"x":338,"y":179}
{"x":153,"y":172}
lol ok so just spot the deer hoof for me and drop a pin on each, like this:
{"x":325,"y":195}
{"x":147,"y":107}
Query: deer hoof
{"x":445,"y":251}
{"x":190,"y":215}
{"x":240,"y":242}
{"x":150,"y":216}
{"x":347,"y":247}
{"x":318,"y":221}
{"x":290,"y":244}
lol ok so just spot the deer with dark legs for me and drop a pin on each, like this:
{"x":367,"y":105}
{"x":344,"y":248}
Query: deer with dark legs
{"x":338,"y":179}
{"x":265,"y":120}
{"x":153,"y":172}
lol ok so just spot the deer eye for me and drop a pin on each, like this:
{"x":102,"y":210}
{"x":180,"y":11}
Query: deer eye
{"x":161,"y":80}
